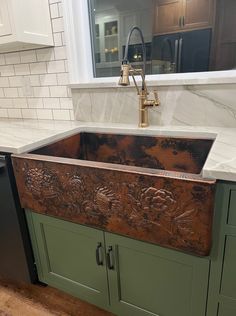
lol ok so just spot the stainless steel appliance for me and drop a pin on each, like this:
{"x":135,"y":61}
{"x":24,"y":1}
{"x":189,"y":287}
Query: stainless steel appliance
{"x":16,"y":257}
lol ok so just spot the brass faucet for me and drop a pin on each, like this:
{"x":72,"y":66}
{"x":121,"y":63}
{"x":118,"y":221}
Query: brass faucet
{"x":127,"y":70}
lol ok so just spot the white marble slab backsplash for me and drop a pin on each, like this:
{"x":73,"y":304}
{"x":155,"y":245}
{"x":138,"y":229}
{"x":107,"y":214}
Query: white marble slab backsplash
{"x":195,"y":105}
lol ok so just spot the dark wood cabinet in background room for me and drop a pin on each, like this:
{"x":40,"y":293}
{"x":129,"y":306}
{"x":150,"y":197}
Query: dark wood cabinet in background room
{"x":183,"y":15}
{"x":224,"y":42}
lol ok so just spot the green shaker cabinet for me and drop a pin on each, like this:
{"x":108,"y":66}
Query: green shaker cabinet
{"x":126,"y":276}
{"x":222,"y":290}
{"x":150,"y":280}
{"x":65,"y":256}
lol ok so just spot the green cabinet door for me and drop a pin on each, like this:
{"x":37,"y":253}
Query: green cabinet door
{"x":146,"y":280}
{"x":143,"y":279}
{"x":70,"y":257}
{"x":222,"y":288}
{"x":226,"y":310}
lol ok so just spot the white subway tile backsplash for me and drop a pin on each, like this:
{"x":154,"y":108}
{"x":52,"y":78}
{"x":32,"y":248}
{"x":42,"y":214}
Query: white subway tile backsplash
{"x":58,"y":91}
{"x":72,"y":115}
{"x":7,"y":70}
{"x":56,"y":66}
{"x":33,"y":83}
{"x":16,"y":81}
{"x":45,"y":54}
{"x":27,"y":89}
{"x":34,"y":80}
{"x":57,"y":25}
{"x":66,"y":66}
{"x":43,"y":114}
{"x":63,"y":79}
{"x":3,"y":113}
{"x":12,"y":58}
{"x":4,"y":82}
{"x":57,"y":39}
{"x":48,"y":80}
{"x":2,"y":59}
{"x":29,"y":113}
{"x":41,"y":92}
{"x":63,"y":38}
{"x":51,"y":103}
{"x":54,"y":10}
{"x":69,"y":94}
{"x":35,"y":102}
{"x":14,"y":113}
{"x":11,"y":92}
{"x":54,"y":1}
{"x":21,"y":92}
{"x":38,"y":68}
{"x":20,"y":103}
{"x":60,"y":52}
{"x":61,"y":114}
{"x":60,"y":8}
{"x":66,"y":103}
{"x":6,"y":103}
{"x":28,"y":56}
{"x":22,"y":69}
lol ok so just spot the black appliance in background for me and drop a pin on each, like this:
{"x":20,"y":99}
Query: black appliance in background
{"x":135,"y":52}
{"x":16,"y":256}
{"x":188,"y":51}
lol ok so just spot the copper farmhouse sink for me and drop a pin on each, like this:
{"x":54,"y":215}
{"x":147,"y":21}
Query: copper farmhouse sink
{"x":145,"y":187}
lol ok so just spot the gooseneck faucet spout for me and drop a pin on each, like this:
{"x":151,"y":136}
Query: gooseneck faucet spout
{"x":125,"y":59}
{"x":127,"y":70}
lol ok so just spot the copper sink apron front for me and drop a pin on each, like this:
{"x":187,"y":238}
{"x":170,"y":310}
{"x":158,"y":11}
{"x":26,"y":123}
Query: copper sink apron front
{"x":168,"y":208}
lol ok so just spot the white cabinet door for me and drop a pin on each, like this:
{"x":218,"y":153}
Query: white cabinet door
{"x":142,"y":19}
{"x":5,"y":24}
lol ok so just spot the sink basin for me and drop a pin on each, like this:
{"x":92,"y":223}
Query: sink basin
{"x":145,"y":187}
{"x":165,"y":153}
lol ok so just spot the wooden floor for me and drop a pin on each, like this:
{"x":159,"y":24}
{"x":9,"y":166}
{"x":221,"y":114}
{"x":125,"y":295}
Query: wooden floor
{"x":37,"y":300}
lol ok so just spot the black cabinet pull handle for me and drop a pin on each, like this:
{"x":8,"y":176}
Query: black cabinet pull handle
{"x":99,"y":254}
{"x":110,"y":263}
{"x":183,"y":22}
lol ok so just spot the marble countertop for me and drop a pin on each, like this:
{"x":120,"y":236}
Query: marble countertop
{"x":19,"y":136}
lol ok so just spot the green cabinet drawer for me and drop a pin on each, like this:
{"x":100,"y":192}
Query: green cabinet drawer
{"x":232,"y":208}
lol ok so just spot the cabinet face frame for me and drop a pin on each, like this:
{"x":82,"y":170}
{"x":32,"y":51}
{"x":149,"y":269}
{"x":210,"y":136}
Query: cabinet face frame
{"x":93,"y":290}
{"x":115,"y":249}
{"x":219,"y":304}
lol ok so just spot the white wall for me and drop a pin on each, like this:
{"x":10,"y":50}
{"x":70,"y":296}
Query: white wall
{"x":33,"y":83}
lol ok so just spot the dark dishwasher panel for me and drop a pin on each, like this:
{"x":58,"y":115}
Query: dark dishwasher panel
{"x":15,"y":249}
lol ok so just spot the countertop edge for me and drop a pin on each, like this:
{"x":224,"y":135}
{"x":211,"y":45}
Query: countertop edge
{"x":220,"y":164}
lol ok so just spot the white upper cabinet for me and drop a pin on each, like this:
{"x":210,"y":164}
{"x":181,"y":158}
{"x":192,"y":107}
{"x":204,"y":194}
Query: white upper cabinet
{"x":24,"y":24}
{"x":5,"y":23}
{"x":142,"y":19}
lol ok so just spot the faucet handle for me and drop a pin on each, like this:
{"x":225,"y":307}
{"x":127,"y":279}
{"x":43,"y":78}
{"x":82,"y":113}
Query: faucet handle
{"x":156,"y":98}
